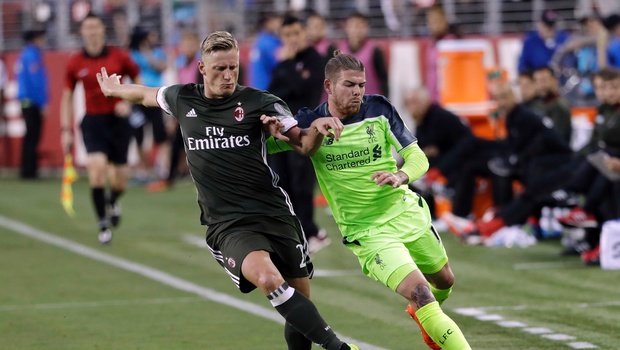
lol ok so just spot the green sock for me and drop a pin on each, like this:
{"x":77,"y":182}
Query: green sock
{"x":440,"y":294}
{"x":441,"y":328}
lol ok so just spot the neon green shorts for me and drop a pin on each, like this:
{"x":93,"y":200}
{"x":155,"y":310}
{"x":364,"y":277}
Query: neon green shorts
{"x":390,"y":251}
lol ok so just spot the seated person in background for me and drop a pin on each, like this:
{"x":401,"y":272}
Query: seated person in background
{"x":537,"y":156}
{"x":443,"y":137}
{"x":529,"y":92}
{"x":555,"y":108}
{"x":587,"y":179}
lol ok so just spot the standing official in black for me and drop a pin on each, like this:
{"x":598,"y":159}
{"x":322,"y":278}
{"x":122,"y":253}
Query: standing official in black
{"x":298,"y":81}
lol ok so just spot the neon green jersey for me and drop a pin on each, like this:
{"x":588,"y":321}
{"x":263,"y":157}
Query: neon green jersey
{"x":344,"y":168}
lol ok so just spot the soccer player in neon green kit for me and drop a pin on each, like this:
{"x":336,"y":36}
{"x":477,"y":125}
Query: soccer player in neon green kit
{"x":386,"y":225}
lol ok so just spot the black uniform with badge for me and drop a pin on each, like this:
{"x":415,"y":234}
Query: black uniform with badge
{"x":237,"y":191}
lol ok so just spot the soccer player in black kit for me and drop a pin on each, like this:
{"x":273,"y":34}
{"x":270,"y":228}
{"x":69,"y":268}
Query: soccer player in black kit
{"x":252,"y":229}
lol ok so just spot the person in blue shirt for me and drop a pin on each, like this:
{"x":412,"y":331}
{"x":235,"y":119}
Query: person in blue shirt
{"x":152,"y":62}
{"x":263,"y":56}
{"x":32,"y":92}
{"x":540,"y":45}
{"x":612,"y":24}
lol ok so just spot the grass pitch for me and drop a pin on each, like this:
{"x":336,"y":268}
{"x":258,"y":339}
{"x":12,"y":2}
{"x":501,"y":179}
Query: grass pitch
{"x":52,"y":298}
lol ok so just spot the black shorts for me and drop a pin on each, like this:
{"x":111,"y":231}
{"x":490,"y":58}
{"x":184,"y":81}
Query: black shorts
{"x":109,"y":134}
{"x":231,"y":241}
{"x":154,"y":116}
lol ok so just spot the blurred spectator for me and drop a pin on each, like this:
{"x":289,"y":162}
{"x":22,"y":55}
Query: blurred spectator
{"x":578,"y":56}
{"x":439,"y":28}
{"x":366,"y":50}
{"x":600,"y":194}
{"x":537,"y":157}
{"x":263,"y":56}
{"x":33,"y":94}
{"x":187,"y":72}
{"x":105,"y":127}
{"x":119,"y":30}
{"x":443,"y":137}
{"x":540,"y":45}
{"x":151,"y":60}
{"x":612,"y":24}
{"x":529,"y":93}
{"x":6,"y":148}
{"x":298,"y":81}
{"x":557,"y":113}
{"x":316,"y":27}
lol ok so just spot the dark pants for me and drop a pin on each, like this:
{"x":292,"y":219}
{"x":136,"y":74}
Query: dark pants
{"x":30,"y":158}
{"x":298,"y":179}
{"x":175,"y":154}
{"x":541,"y":176}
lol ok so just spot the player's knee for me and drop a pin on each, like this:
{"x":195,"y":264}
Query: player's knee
{"x":446,"y":282}
{"x":269,"y":281}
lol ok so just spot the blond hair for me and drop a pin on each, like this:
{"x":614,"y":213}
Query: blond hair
{"x":218,"y":41}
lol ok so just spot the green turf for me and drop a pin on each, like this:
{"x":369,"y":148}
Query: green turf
{"x":51,"y":298}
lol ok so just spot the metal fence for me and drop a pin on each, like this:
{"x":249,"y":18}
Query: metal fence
{"x":388,"y":18}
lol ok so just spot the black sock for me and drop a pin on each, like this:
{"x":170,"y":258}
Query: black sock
{"x":98,"y":196}
{"x":295,"y":339}
{"x":115,"y":195}
{"x":301,"y":313}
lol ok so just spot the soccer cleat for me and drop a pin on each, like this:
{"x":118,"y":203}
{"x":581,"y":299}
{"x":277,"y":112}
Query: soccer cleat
{"x":114,"y":213}
{"x":488,"y":228}
{"x":577,"y":217}
{"x":458,"y":225}
{"x":158,"y":186}
{"x":318,"y":242}
{"x":105,"y":236}
{"x":427,"y":338}
{"x":353,"y":347}
{"x":592,"y":257}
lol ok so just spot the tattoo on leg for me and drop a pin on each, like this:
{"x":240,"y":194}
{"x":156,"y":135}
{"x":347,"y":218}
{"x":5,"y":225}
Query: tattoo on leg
{"x":421,"y":295}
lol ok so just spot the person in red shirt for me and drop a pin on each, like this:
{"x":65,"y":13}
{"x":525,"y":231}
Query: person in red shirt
{"x":105,"y":127}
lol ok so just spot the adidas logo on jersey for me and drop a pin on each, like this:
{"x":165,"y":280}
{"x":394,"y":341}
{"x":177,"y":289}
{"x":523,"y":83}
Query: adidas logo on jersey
{"x":191,"y":114}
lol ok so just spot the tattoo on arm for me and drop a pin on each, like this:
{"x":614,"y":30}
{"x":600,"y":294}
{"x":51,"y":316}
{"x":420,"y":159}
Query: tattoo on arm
{"x":421,"y":295}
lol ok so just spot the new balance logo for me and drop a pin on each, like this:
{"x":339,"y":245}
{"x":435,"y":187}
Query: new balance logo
{"x":191,"y":114}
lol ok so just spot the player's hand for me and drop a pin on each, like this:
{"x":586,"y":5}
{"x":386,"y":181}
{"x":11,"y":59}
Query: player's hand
{"x":613,"y":164}
{"x":108,"y":84}
{"x":274,"y":126}
{"x":66,"y":140}
{"x":325,"y":124}
{"x":388,"y":178}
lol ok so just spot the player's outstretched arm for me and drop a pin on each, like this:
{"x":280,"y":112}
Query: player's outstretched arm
{"x":111,"y":87}
{"x":307,"y":141}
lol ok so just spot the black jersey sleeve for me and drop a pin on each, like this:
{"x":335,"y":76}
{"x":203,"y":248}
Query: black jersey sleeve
{"x":274,"y":106}
{"x":167,"y":98}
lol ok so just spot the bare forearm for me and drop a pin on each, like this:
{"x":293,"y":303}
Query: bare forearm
{"x":136,"y":94}
{"x":311,"y":140}
{"x":66,"y":110}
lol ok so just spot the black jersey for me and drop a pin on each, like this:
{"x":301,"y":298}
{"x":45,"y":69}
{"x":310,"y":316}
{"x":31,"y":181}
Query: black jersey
{"x":225,"y":145}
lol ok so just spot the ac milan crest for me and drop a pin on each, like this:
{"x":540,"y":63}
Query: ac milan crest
{"x":239,"y":112}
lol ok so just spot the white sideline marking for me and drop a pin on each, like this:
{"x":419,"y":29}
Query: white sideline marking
{"x":558,"y":336}
{"x":511,"y":324}
{"x":200,"y":242}
{"x":538,"y":330}
{"x":547,"y":265}
{"x":582,"y":345}
{"x":74,"y":305}
{"x":480,"y":314}
{"x":154,"y":274}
